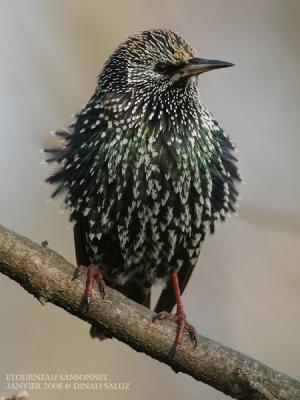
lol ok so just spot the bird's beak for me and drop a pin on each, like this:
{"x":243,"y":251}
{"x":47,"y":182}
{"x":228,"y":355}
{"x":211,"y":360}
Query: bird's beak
{"x":196,"y":66}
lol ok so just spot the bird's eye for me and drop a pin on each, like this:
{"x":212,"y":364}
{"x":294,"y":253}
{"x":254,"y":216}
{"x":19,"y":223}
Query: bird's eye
{"x":166,"y":68}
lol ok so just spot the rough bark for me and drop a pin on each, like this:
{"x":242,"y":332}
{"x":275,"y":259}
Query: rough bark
{"x":47,"y":276}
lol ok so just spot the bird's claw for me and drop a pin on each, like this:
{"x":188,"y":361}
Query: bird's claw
{"x":182,"y":325}
{"x":78,"y":271}
{"x":93,"y":274}
{"x":163,"y":315}
{"x":85,"y":302}
{"x":173,"y":350}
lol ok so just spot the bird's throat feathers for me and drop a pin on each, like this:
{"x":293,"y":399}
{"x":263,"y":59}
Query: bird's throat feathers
{"x":174,"y":118}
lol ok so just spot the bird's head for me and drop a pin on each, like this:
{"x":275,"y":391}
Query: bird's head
{"x":154,"y":60}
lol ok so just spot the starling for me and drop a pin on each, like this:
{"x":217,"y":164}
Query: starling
{"x":146,"y":171}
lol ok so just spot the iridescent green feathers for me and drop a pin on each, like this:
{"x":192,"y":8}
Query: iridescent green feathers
{"x":145,"y":167}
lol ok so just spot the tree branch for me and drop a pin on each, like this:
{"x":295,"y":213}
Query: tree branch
{"x":47,"y":276}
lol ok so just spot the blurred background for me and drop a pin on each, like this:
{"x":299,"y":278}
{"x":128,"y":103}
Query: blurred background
{"x":245,"y":292}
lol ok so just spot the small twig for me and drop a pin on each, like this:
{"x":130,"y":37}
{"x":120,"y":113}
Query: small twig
{"x":47,"y":276}
{"x":19,"y":396}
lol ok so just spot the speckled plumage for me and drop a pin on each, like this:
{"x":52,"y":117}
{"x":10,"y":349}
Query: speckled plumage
{"x":146,"y":169}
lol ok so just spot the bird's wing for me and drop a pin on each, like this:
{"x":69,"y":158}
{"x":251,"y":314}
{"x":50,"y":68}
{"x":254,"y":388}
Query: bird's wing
{"x":167,"y":301}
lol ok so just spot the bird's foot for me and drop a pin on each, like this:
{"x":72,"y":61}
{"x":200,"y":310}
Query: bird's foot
{"x":93,"y":274}
{"x":182,"y":325}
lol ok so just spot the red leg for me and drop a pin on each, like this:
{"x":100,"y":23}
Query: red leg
{"x":181,"y":321}
{"x":93,"y":274}
{"x":179,"y":317}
